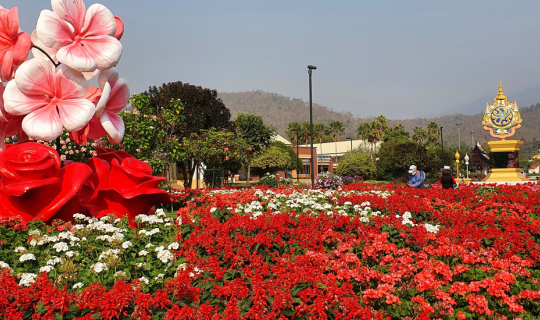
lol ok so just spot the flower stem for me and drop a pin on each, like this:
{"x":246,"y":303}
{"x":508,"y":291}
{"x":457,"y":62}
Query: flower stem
{"x":56,"y":64}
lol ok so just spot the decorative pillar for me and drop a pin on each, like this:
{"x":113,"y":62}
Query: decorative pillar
{"x":457,"y":164}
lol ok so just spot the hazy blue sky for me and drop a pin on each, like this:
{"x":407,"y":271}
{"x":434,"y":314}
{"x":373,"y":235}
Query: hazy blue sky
{"x":398,"y":58}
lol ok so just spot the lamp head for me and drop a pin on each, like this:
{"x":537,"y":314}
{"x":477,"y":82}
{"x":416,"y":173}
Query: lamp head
{"x":312,"y":67}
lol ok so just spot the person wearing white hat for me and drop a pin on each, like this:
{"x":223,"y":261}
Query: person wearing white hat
{"x":417,"y":177}
{"x":447,"y":180}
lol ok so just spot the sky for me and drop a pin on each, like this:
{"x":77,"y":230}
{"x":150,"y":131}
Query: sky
{"x":402,"y":59}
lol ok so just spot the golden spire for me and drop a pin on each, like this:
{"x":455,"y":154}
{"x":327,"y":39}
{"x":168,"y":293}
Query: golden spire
{"x":500,"y":95}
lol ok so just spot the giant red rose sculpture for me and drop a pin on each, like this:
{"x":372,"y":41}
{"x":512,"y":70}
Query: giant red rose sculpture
{"x":121,"y":185}
{"x":34,"y":186}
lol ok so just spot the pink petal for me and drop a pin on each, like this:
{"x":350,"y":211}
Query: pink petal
{"x":13,"y":22}
{"x":119,"y":96}
{"x":37,"y":53}
{"x":96,"y":129}
{"x":35,"y":77}
{"x":102,"y":103}
{"x":69,"y":83}
{"x":90,"y":75}
{"x":99,"y":21}
{"x":105,"y":50}
{"x":75,"y":113}
{"x":114,"y":125}
{"x":71,"y":11}
{"x":18,"y":103}
{"x":43,"y":124}
{"x":6,"y":72}
{"x":110,"y":76}
{"x":93,"y":94}
{"x":2,"y":110}
{"x":119,"y":28}
{"x":21,"y":48}
{"x":52,"y":31}
{"x":77,"y":56}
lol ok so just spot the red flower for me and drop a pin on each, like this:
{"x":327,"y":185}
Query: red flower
{"x":34,"y":185}
{"x":121,"y":188}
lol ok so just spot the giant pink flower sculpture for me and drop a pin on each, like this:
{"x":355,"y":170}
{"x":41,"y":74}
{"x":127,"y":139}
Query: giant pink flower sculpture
{"x":49,"y":98}
{"x":85,"y":39}
{"x":9,"y":125}
{"x":110,"y":99}
{"x":14,"y":44}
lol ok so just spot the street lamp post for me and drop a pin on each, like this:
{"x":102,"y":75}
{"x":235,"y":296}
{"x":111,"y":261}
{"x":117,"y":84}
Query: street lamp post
{"x":458,"y":135}
{"x":467,"y":164}
{"x":442,"y":148}
{"x":297,"y":156}
{"x":472,"y":139}
{"x":351,"y":142}
{"x":310,"y":68}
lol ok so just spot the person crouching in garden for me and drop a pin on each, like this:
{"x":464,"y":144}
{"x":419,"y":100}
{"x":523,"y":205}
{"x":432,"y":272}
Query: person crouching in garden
{"x":447,"y":179}
{"x":417,"y":177}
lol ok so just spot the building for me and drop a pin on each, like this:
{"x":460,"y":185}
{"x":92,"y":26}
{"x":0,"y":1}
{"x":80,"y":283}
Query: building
{"x":480,"y":160}
{"x":534,"y":168}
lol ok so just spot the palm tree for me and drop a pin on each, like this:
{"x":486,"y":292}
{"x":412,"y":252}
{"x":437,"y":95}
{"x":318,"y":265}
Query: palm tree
{"x":419,"y":135}
{"x":380,"y":126}
{"x":337,"y":129}
{"x":319,"y":130}
{"x":293,"y":131}
{"x":363,"y":131}
{"x":305,"y":131}
{"x":433,"y":132}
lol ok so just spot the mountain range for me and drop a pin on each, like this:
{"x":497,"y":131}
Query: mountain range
{"x":278,"y":110}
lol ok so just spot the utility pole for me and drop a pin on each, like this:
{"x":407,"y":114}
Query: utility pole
{"x":472,"y":139}
{"x":459,"y":137}
{"x":310,"y":68}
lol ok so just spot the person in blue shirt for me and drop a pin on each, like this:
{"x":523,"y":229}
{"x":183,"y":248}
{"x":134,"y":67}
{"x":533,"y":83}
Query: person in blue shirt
{"x":416,"y":178}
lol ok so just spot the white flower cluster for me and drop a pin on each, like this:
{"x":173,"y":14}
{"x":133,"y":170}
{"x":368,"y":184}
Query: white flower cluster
{"x":164,"y":255}
{"x":108,"y":254}
{"x":27,"y":257}
{"x":20,"y":249}
{"x":46,"y":269}
{"x":149,"y":233}
{"x":4,"y":265}
{"x":27,"y":279}
{"x":406,"y":219}
{"x":99,"y":267}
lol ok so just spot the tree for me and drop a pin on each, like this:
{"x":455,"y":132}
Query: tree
{"x":295,"y":163}
{"x":433,"y":131}
{"x":356,"y":163}
{"x":270,"y":160}
{"x":419,"y":135}
{"x":319,"y":130}
{"x":293,"y":131}
{"x":256,"y":134}
{"x":305,"y":131}
{"x":397,"y":133}
{"x":216,"y":149}
{"x":152,"y":137}
{"x":395,"y":157}
{"x":202,"y":110}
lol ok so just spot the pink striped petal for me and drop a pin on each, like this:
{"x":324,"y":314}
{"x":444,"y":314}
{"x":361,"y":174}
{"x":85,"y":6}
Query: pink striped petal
{"x":114,"y":125}
{"x":35,"y":77}
{"x":13,"y":22}
{"x":72,"y":11}
{"x":105,"y":50}
{"x":99,"y":21}
{"x":6,"y":72}
{"x":37,"y":53}
{"x":18,"y":104}
{"x":2,"y":110}
{"x":21,"y":48}
{"x":119,"y":28}
{"x":69,"y":83}
{"x":119,"y":96}
{"x":90,"y":75}
{"x":75,"y":113}
{"x":96,"y":129}
{"x":110,"y":76}
{"x":52,"y":31}
{"x":43,"y":124}
{"x":93,"y":94}
{"x":103,"y":100}
{"x":77,"y":57}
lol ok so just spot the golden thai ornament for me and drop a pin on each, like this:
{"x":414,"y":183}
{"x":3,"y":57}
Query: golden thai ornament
{"x":502,"y":118}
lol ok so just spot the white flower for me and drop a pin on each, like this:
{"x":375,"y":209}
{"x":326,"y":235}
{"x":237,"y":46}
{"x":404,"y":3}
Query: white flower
{"x":159,"y":276}
{"x":33,"y":233}
{"x":26,"y":257}
{"x":79,"y":216}
{"x":160,"y":248}
{"x":140,"y":264}
{"x":149,"y":246}
{"x":127,"y":244}
{"x":143,"y":253}
{"x":54,"y":261}
{"x":20,"y":249}
{"x":27,"y":279}
{"x":173,"y":246}
{"x":61,"y":246}
{"x":98,"y":267}
{"x":4,"y":265}
{"x":143,"y":279}
{"x":111,"y":253}
{"x":160,"y":212}
{"x":120,"y":273}
{"x":71,"y":253}
{"x":165,"y":256}
{"x":78,"y":285}
{"x":46,"y":269}
{"x":213,"y":209}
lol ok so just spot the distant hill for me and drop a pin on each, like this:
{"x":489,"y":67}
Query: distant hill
{"x":279,"y":110}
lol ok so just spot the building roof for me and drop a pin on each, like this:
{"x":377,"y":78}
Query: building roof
{"x":534,"y":166}
{"x":279,"y":138}
{"x":340,"y":147}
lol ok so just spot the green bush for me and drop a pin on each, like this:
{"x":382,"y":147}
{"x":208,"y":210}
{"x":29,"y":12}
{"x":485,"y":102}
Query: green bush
{"x":269,"y":180}
{"x":356,"y":164}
